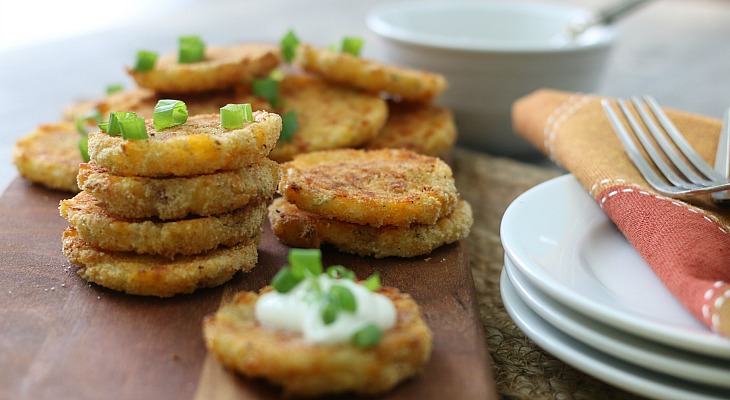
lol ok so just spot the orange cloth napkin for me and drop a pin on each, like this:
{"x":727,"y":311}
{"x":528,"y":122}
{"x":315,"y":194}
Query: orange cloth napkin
{"x":686,"y":242}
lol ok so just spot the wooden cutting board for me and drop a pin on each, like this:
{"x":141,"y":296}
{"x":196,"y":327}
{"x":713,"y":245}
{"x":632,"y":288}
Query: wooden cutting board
{"x":63,"y":338}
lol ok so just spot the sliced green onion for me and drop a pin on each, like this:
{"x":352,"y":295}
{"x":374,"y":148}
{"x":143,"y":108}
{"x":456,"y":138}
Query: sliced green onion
{"x":289,"y":126}
{"x":169,"y":113}
{"x":112,"y":127}
{"x":373,"y":282}
{"x":352,"y":45}
{"x":268,"y":89}
{"x":133,"y":128}
{"x":340,"y":272}
{"x":114,"y":117}
{"x":115,"y":88}
{"x":285,"y":280}
{"x":343,"y":297}
{"x":191,"y":50}
{"x":84,"y":148}
{"x":368,"y":336}
{"x":289,"y":45}
{"x":235,"y":115}
{"x":329,"y":312}
{"x":145,"y":61}
{"x":308,"y":261}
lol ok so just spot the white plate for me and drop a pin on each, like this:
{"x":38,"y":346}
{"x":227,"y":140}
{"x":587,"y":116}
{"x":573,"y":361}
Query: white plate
{"x":566,"y":246}
{"x":600,"y":365}
{"x":651,"y":355}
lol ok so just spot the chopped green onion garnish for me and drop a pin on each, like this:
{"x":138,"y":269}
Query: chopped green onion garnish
{"x":373,"y":282}
{"x":340,"y":272}
{"x":308,"y":261}
{"x":112,"y":127}
{"x":367,"y":336}
{"x":145,"y":61}
{"x":352,"y":45}
{"x":191,"y":50}
{"x":84,"y":148}
{"x":285,"y":280}
{"x":133,"y":128}
{"x":339,"y":298}
{"x":235,"y":115}
{"x":169,"y":113}
{"x":268,"y":89}
{"x":114,"y":117}
{"x":289,"y":126}
{"x":343,"y":297}
{"x":115,"y":88}
{"x":329,"y":312}
{"x":289,"y":46}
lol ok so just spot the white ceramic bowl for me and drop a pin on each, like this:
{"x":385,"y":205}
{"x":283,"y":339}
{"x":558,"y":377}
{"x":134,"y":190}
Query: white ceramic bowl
{"x":492,"y":53}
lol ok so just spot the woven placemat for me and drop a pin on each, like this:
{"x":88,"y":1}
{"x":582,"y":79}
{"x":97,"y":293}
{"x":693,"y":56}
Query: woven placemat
{"x":522,"y":370}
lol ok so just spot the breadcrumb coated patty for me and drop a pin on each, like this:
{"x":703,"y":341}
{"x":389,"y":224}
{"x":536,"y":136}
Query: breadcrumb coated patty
{"x":150,"y":275}
{"x":297,"y":228}
{"x":223,"y":67}
{"x":199,"y":146}
{"x":234,"y":336}
{"x":330,"y":116}
{"x":50,"y":156}
{"x":425,"y":128}
{"x":168,"y":239}
{"x":178,"y":197}
{"x":406,"y":83}
{"x":374,"y":187}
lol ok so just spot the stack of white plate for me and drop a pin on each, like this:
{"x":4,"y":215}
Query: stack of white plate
{"x":576,"y":287}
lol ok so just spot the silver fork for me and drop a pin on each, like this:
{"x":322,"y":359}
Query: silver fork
{"x":688,"y":173}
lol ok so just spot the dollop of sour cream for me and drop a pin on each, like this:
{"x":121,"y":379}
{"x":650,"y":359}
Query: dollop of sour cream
{"x":295,"y":311}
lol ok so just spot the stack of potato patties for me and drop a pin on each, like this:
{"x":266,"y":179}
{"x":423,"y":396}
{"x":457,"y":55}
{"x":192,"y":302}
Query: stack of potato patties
{"x":178,"y":211}
{"x":388,"y":202}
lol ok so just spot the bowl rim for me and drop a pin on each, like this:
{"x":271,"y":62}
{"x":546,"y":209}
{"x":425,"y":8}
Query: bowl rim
{"x":606,"y":36}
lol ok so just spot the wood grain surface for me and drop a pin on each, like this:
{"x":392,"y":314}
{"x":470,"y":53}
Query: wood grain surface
{"x":61,"y":337}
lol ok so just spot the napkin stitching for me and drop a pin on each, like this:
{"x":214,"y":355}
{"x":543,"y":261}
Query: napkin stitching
{"x":716,"y":305}
{"x":558,"y":117}
{"x":709,"y":218}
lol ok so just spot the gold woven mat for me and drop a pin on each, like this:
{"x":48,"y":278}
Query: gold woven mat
{"x":522,"y":369}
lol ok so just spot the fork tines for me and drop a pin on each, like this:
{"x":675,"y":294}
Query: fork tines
{"x":681,"y":174}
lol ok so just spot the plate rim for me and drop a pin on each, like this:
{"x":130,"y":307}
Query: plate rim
{"x":610,"y":341}
{"x":703,"y":342}
{"x":602,"y":366}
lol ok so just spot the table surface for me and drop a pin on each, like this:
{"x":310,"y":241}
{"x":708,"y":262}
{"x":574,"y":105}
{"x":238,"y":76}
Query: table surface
{"x":675,"y":50}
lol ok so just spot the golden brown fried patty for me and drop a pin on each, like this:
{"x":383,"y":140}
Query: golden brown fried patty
{"x":168,"y":239}
{"x":222,"y":67}
{"x":375,"y":187}
{"x":425,"y":128}
{"x":175,"y":198}
{"x":297,"y":228}
{"x":154,"y":275}
{"x":307,"y":370}
{"x":199,"y":146}
{"x":330,"y":116}
{"x":50,"y":156}
{"x":370,"y":75}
